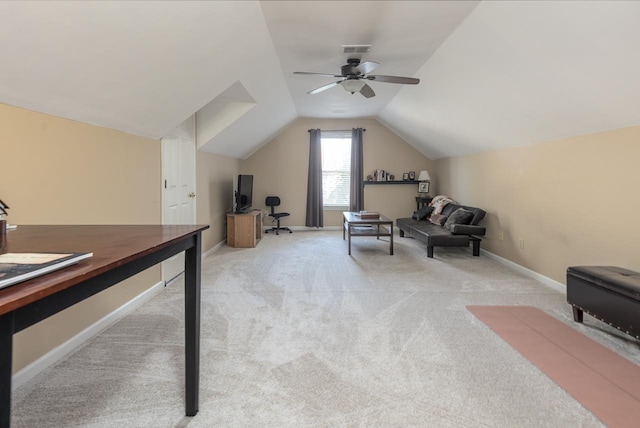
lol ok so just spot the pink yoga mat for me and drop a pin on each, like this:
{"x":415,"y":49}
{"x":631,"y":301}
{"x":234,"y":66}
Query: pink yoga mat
{"x":601,"y":380}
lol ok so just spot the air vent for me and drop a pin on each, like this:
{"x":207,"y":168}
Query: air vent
{"x":355,"y":49}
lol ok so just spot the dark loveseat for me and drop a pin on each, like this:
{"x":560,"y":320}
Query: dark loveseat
{"x":453,"y":235}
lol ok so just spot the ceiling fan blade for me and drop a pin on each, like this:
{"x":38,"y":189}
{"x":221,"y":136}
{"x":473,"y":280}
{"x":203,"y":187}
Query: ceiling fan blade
{"x":317,"y":74}
{"x":367,"y":67}
{"x":367,"y":91}
{"x":394,"y":79}
{"x":323,"y":88}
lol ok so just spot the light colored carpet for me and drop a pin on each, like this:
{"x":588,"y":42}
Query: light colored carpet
{"x":297,"y":333}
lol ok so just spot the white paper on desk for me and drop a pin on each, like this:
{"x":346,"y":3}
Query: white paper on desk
{"x":18,"y":267}
{"x":30,"y":258}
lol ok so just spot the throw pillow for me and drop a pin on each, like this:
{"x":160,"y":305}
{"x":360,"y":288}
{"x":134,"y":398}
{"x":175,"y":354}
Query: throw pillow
{"x":438,"y":219}
{"x":439,"y":202}
{"x":423,"y":212}
{"x":459,"y":216}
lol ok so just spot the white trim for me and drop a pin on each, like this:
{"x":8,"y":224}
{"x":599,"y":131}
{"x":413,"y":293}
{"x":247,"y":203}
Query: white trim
{"x":551,"y":283}
{"x":306,"y":228}
{"x":59,"y":352}
{"x":214,"y":249}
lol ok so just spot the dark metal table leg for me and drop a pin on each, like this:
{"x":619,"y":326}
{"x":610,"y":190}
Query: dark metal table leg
{"x":192,"y":262}
{"x":6,"y":354}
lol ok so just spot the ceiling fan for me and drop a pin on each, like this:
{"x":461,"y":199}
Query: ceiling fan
{"x":353,"y":74}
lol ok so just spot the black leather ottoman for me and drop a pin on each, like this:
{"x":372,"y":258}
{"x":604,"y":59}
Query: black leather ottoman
{"x":608,"y":293}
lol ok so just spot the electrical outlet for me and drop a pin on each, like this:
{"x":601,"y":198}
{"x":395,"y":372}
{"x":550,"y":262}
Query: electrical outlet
{"x":521,"y":242}
{"x":500,"y":236}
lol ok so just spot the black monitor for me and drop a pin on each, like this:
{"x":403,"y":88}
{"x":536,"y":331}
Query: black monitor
{"x":244,"y":194}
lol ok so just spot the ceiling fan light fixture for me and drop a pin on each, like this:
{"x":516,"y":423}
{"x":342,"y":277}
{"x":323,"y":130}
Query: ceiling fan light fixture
{"x":352,"y":85}
{"x":354,"y":75}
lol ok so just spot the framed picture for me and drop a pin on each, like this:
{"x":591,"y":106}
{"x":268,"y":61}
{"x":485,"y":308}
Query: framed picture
{"x":405,"y":176}
{"x":412,"y":175}
{"x":423,"y":187}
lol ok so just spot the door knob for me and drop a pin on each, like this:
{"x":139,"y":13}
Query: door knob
{"x":191,"y":195}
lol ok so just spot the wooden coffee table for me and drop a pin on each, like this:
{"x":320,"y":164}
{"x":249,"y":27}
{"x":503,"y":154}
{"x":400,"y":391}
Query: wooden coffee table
{"x":354,"y":225}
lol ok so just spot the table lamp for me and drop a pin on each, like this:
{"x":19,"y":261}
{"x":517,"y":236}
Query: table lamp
{"x":424,"y":181}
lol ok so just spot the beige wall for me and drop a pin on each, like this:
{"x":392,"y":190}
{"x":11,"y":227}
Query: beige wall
{"x":214,"y":191}
{"x":280,"y":168}
{"x":57,"y":171}
{"x":573,"y":201}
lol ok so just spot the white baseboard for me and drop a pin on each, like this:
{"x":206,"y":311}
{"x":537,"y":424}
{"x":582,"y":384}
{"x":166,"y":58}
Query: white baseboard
{"x":307,"y":228}
{"x":551,"y":283}
{"x":50,"y":358}
{"x":214,"y":249}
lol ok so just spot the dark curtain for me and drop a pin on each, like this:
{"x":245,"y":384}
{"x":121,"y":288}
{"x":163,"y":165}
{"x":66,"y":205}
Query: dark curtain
{"x":356,"y":200}
{"x":314,"y":182}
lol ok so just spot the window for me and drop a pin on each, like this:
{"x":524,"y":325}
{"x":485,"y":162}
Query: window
{"x":336,"y":168}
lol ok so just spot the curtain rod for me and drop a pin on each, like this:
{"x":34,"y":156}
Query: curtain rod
{"x":336,"y":130}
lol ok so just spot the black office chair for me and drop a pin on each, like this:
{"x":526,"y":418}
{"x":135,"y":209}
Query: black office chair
{"x":274,"y":201}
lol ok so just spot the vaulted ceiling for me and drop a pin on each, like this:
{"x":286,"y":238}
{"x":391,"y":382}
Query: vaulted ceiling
{"x":494,"y":74}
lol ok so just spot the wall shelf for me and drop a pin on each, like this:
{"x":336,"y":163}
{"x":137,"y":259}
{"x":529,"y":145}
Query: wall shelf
{"x":365,"y":183}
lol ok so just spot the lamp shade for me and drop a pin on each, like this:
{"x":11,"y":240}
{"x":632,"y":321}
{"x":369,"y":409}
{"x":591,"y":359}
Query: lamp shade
{"x":424,"y":176}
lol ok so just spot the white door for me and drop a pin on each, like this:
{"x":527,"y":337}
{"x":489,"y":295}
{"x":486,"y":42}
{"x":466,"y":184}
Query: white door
{"x":178,"y":192}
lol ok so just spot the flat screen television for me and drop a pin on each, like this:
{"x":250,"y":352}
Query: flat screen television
{"x":244,"y":194}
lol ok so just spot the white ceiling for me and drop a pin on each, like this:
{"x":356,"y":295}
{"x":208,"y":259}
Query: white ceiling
{"x":493,"y":74}
{"x":519,"y":72}
{"x":309,"y":35}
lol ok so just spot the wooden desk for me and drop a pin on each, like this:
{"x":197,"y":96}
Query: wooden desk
{"x":119,"y":252}
{"x":354,"y":225}
{"x":244,"y":230}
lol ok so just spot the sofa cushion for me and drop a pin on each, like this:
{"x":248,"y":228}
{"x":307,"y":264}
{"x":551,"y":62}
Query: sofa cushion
{"x":423,"y":212}
{"x":408,"y":223}
{"x":478,"y":214}
{"x":459,"y":216}
{"x":438,"y":219}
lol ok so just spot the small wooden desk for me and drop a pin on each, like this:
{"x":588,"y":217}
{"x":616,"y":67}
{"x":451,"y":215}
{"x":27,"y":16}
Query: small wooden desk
{"x":119,"y":252}
{"x":353,"y":225}
{"x":244,"y":230}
